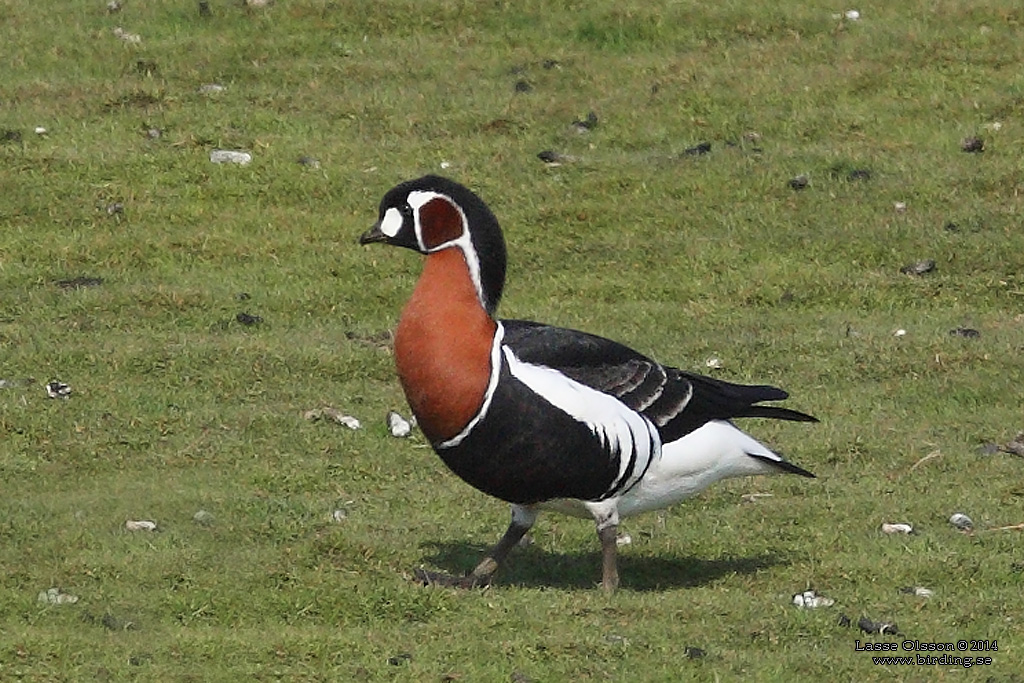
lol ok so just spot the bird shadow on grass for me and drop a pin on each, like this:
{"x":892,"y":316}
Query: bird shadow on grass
{"x":537,"y":568}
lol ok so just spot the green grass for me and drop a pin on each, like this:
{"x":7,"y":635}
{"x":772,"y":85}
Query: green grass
{"x":179,"y":408}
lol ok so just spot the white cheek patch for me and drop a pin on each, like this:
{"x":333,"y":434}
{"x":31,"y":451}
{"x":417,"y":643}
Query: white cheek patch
{"x":391,"y":223}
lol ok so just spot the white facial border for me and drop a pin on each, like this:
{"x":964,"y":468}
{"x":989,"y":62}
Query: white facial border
{"x":416,"y":200}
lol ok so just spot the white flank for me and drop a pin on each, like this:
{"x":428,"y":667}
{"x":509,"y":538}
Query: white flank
{"x":718,"y":450}
{"x":621,"y":430}
{"x":492,"y":384}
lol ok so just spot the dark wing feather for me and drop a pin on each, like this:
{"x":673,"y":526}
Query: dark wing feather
{"x":676,"y":401}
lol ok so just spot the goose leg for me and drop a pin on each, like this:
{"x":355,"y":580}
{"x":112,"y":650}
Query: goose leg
{"x":609,"y":536}
{"x":606,"y":516}
{"x":522,"y":519}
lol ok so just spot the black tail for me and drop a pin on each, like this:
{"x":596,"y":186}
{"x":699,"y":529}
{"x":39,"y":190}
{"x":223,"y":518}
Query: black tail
{"x":784,"y":465}
{"x":715,"y":399}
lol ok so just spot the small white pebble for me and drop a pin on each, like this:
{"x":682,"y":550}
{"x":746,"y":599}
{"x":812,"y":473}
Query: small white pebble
{"x":961,"y":521}
{"x":211,"y":88}
{"x":350,"y":422}
{"x":923,"y":592}
{"x":900,"y":207}
{"x":40,"y":130}
{"x":446,"y":165}
{"x":713,"y":363}
{"x":133,"y":38}
{"x":624,"y":539}
{"x":53,"y":596}
{"x":754,"y":497}
{"x":900,"y":333}
{"x":897,"y":528}
{"x":398,"y":425}
{"x":230,"y":156}
{"x":852,"y":14}
{"x":339,"y":515}
{"x":140,"y":525}
{"x":203,"y":517}
{"x":57,"y":389}
{"x":811,"y":600}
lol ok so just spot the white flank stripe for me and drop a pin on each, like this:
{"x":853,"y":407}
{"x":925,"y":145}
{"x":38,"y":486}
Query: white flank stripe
{"x":492,"y":384}
{"x":624,"y":431}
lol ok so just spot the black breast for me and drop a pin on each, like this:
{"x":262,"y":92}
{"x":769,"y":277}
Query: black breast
{"x":525,"y":450}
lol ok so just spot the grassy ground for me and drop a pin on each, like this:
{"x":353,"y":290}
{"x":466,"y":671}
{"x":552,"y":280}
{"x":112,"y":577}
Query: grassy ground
{"x":178,"y":408}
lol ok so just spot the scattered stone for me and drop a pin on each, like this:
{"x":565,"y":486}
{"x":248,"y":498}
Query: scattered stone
{"x":520,"y":677}
{"x":523,"y":86}
{"x":553,"y":158}
{"x":989,"y":449}
{"x":56,"y":389}
{"x":698,"y":149}
{"x":550,"y":64}
{"x":799,"y":182}
{"x":899,"y":207}
{"x":329,"y":413}
{"x":230,"y":156}
{"x":203,"y":518}
{"x":248,"y":319}
{"x":961,"y":521}
{"x":752,"y":136}
{"x":918,"y":267}
{"x":897,"y":528}
{"x":131,"y":38}
{"x":398,"y":425}
{"x":54,"y":596}
{"x":852,"y":15}
{"x":339,"y":515}
{"x":309,"y":162}
{"x":115,"y":208}
{"x":880,"y":627}
{"x":585,"y":125}
{"x":399,"y":659}
{"x":153,"y":133}
{"x":39,"y":130}
{"x":80,"y":282}
{"x":919,"y":591}
{"x":616,"y":639}
{"x":140,"y":525}
{"x":1015,"y":447}
{"x":624,"y":539}
{"x":113,"y":7}
{"x":694,"y":653}
{"x":972,"y":144}
{"x":258,"y":3}
{"x":811,"y":600}
{"x":965,"y":332}
{"x":146,"y":67}
{"x":211,"y":88}
{"x":754,"y":497}
{"x":713,"y":363}
{"x":900,"y":333}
